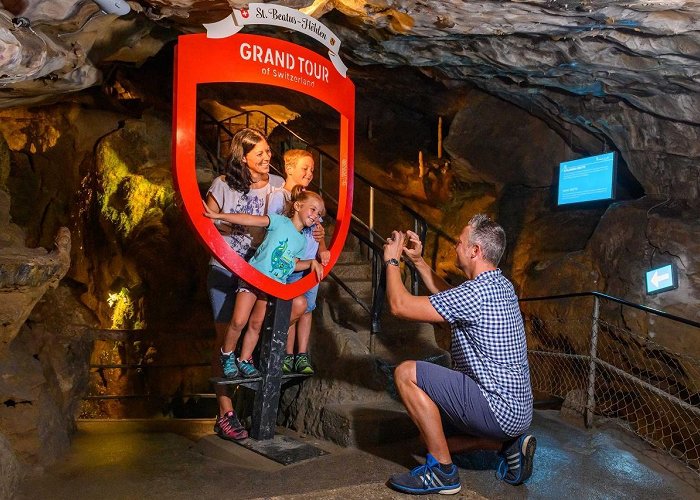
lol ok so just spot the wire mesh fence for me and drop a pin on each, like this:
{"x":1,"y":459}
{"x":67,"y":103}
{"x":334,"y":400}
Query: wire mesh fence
{"x":603,"y":361}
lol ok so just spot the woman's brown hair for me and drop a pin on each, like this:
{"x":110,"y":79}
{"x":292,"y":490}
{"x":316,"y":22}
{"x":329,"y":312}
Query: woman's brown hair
{"x":237,"y":175}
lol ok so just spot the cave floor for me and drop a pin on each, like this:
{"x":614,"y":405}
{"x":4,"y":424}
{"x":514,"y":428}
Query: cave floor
{"x":158,"y":459}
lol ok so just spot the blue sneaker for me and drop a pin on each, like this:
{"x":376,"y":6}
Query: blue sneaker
{"x":228,"y":365}
{"x":515,"y":463}
{"x":247,"y":368}
{"x":428,"y":478}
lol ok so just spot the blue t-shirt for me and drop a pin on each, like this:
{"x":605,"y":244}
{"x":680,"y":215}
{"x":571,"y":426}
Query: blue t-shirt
{"x":278,"y":253}
{"x":276,"y":202}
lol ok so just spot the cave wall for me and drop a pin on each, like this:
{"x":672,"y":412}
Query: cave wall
{"x":104,"y":173}
{"x":123,"y":256}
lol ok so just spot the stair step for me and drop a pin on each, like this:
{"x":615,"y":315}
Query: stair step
{"x":352,"y":272}
{"x":346,"y":314}
{"x":366,"y":424}
{"x":351,"y":257}
{"x":363,"y":289}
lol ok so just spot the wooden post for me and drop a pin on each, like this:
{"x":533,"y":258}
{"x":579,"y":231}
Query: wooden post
{"x":421,"y":166}
{"x":439,"y":151}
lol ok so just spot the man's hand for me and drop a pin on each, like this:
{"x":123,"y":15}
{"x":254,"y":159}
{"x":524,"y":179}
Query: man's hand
{"x":317,"y":268}
{"x":318,"y":232}
{"x":413,"y":250}
{"x":325,"y":257}
{"x":394,"y":246}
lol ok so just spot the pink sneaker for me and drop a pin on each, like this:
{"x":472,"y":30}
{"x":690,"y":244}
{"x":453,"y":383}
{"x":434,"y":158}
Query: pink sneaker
{"x":230,"y":428}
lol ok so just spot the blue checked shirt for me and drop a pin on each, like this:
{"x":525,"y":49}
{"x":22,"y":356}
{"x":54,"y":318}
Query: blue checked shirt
{"x":488,"y":345}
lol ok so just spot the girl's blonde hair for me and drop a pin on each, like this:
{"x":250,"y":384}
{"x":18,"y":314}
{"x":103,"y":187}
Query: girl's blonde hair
{"x":301,"y":195}
{"x":292,"y":156}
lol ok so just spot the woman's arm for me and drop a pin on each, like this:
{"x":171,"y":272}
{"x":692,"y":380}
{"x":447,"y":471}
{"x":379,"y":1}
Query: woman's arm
{"x":242,"y":219}
{"x":213,"y":206}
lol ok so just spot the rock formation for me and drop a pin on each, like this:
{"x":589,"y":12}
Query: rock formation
{"x":85,"y":144}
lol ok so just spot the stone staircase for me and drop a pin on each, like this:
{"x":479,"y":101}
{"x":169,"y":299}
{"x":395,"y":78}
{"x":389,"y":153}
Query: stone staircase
{"x":352,"y":399}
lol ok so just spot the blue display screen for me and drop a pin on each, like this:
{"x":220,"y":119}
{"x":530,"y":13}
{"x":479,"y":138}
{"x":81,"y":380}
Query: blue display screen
{"x":587,"y":179}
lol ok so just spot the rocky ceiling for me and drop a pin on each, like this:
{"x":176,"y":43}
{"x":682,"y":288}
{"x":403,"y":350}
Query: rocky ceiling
{"x":594,"y":70}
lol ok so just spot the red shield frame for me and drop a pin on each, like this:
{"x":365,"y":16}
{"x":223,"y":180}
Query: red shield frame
{"x":199,"y":59}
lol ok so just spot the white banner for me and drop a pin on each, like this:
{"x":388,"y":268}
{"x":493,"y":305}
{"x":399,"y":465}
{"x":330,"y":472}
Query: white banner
{"x":277,"y":15}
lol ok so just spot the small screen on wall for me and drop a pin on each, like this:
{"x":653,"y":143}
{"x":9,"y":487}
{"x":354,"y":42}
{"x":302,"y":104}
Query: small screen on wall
{"x":587,"y":179}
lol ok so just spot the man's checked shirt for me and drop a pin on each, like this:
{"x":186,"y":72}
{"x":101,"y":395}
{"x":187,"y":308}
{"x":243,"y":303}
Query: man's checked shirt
{"x":488,"y":345}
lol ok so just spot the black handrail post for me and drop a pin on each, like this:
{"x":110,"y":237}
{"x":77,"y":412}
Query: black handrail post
{"x":272,"y":349}
{"x":379,"y":287}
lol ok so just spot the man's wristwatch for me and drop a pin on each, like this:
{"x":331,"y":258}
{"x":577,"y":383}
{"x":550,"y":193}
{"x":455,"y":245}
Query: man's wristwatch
{"x":391,"y":262}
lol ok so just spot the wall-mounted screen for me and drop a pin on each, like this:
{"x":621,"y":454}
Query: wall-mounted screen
{"x":587,"y":179}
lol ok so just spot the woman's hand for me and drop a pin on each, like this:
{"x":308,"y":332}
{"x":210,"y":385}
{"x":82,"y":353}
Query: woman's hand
{"x":318,"y":232}
{"x":209,"y":213}
{"x":394,"y":246}
{"x":325,"y":257}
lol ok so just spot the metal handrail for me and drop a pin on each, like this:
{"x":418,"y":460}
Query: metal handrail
{"x":593,"y":355}
{"x":417,"y":217}
{"x":358,"y":226}
{"x":619,"y":301}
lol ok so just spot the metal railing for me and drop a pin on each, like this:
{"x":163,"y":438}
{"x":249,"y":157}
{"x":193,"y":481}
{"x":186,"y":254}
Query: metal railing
{"x":608,"y":364}
{"x":216,"y":136}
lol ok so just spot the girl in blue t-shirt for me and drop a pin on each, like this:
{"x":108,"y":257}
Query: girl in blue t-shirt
{"x":277,"y":257}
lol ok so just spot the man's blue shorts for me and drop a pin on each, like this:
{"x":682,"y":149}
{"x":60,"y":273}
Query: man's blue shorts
{"x":463,"y":407}
{"x":310,"y":295}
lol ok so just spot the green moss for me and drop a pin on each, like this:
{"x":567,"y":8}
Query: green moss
{"x":127,"y":196}
{"x":123,"y":315}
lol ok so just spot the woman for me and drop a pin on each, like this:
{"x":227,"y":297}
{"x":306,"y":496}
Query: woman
{"x":244,"y":188}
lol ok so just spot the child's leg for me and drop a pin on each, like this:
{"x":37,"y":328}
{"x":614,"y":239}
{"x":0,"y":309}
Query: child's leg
{"x":298,"y":308}
{"x":241,"y":312}
{"x":303,"y":332}
{"x":291,"y":336}
{"x":252,"y":334}
{"x":304,"y":323}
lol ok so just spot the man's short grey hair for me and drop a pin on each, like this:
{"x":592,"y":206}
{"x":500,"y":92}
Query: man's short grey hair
{"x":490,"y":236}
